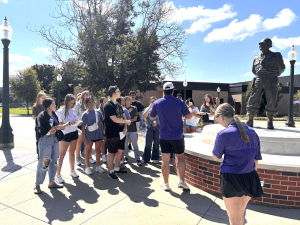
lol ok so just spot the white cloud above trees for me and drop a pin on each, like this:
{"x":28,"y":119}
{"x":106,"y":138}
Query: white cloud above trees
{"x":283,"y":43}
{"x":44,"y":50}
{"x":238,"y":31}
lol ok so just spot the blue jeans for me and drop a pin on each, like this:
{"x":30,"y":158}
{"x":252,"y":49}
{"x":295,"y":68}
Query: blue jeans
{"x":152,"y":135}
{"x":133,"y":138}
{"x":142,"y":120}
{"x":48,"y":149}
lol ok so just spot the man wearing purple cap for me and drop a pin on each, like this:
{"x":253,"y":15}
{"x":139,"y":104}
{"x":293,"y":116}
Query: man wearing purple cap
{"x":170,"y":111}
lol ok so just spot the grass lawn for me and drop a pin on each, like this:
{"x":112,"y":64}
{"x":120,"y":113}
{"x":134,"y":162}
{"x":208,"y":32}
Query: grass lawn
{"x":18,"y":111}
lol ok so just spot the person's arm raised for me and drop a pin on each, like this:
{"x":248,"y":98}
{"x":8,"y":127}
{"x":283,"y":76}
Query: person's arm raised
{"x":121,"y":121}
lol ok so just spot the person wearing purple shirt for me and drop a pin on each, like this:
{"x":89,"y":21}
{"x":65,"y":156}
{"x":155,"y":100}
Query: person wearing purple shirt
{"x":170,"y":110}
{"x":240,"y":146}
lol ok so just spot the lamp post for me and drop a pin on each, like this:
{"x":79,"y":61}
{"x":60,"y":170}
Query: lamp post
{"x":218,"y":90}
{"x":184,"y":85}
{"x":292,"y":56}
{"x":6,"y":135}
{"x":59,"y":78}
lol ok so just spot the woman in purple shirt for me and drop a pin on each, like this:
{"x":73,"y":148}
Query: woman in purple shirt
{"x":239,"y":180}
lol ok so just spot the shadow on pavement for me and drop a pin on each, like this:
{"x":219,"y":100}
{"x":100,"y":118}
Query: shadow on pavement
{"x":10,"y":166}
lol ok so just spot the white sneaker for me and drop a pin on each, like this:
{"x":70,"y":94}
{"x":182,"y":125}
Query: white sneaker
{"x":59,"y":179}
{"x":142,"y":161}
{"x":78,"y":161}
{"x":74,"y":174}
{"x":183,"y":185}
{"x":92,"y":160}
{"x":100,"y":169}
{"x":155,"y":161}
{"x":165,"y":187}
{"x":104,"y":159}
{"x":88,"y":171}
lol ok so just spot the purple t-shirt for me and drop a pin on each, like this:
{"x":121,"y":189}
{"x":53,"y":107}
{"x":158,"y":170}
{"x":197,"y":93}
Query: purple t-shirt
{"x":170,"y":111}
{"x":238,"y":155}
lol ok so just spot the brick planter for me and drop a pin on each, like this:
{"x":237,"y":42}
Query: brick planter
{"x":281,"y":189}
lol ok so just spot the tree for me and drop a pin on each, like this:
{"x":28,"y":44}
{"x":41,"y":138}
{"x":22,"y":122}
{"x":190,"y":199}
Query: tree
{"x":112,"y":48}
{"x":297,"y":96}
{"x":45,"y":74}
{"x":25,"y":85}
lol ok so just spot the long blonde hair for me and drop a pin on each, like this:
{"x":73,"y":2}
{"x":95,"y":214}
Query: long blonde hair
{"x":227,"y":110}
{"x":68,"y":98}
{"x":40,"y":94}
{"x":82,"y":99}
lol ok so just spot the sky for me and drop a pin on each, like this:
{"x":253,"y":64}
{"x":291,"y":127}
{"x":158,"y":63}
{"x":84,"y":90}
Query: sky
{"x":223,"y":35}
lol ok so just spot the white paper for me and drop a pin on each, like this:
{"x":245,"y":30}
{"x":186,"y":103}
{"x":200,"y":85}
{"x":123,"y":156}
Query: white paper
{"x":122,"y":135}
{"x":212,"y":117}
{"x":76,"y":124}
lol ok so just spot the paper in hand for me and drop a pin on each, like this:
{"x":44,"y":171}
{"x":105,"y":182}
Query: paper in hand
{"x":122,"y":135}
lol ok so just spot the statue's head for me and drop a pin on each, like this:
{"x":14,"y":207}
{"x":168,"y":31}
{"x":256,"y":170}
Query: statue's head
{"x":265,"y":44}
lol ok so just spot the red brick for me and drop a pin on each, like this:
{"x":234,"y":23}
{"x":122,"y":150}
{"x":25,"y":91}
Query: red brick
{"x":269,"y":181}
{"x":194,"y":166}
{"x":203,"y":160}
{"x":260,"y":171}
{"x":297,"y":203}
{"x":294,"y":179}
{"x":279,"y":187}
{"x":216,"y":180}
{"x":202,"y":184}
{"x":202,"y":176}
{"x":289,"y":183}
{"x":298,"y":183}
{"x":188,"y":166}
{"x":208,"y":190}
{"x":213,"y":188}
{"x":214,"y":171}
{"x":270,"y":191}
{"x":218,"y":193}
{"x":258,"y":199}
{"x":273,"y":172}
{"x":293,"y":198}
{"x":217,"y":176}
{"x":194,"y":157}
{"x":265,"y":176}
{"x":275,"y":177}
{"x":294,"y":188}
{"x":208,"y":165}
{"x":291,"y":193}
{"x":216,"y":167}
{"x":284,"y":202}
{"x":297,"y":193}
{"x":270,"y":200}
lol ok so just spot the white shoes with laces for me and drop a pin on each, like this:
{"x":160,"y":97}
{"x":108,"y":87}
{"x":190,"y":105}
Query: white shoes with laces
{"x":183,"y":185}
{"x":100,"y":169}
{"x":74,"y":174}
{"x":88,"y":171}
{"x":59,"y":179}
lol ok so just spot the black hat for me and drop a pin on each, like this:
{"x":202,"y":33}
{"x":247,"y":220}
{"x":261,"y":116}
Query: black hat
{"x":267,"y":41}
{"x":47,"y":102}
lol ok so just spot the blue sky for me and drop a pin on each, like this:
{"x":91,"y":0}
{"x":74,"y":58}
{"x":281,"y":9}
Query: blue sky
{"x":223,"y":35}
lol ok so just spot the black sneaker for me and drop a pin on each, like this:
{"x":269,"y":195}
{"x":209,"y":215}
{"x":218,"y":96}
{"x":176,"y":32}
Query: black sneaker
{"x":129,"y":147}
{"x":121,"y":171}
{"x":139,"y":162}
{"x":125,"y":161}
{"x":113,"y":176}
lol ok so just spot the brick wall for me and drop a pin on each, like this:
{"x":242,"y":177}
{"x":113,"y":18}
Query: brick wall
{"x":281,"y":189}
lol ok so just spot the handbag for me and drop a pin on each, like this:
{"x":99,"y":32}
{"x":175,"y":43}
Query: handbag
{"x":95,"y":125}
{"x":59,"y":135}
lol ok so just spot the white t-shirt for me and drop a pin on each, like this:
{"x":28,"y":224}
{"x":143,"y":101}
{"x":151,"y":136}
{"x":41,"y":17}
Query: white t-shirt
{"x":72,"y":115}
{"x":193,"y":120}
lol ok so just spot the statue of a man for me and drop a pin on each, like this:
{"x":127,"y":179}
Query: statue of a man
{"x":267,"y":67}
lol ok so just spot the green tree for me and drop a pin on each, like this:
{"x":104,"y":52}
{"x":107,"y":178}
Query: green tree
{"x":45,"y":74}
{"x":25,"y":86}
{"x":297,"y":96}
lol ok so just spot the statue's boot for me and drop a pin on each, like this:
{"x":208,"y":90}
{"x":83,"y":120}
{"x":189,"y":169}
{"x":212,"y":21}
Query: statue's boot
{"x":249,"y":122}
{"x":270,"y":123}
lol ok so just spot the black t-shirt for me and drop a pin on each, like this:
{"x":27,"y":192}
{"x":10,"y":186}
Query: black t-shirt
{"x":139,"y":107}
{"x":133,"y":112}
{"x":113,"y":129}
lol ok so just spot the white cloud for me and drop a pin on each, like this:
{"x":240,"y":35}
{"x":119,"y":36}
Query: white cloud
{"x":288,"y":64}
{"x":283,"y":43}
{"x":202,"y":18}
{"x":44,"y":50}
{"x":199,"y":80}
{"x":249,"y":74}
{"x":238,"y":31}
{"x":4,"y":1}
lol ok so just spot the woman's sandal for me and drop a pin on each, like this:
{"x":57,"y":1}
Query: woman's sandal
{"x":55,"y":185}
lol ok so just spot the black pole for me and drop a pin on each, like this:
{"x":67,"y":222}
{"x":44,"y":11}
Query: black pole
{"x":184,"y":93}
{"x":290,"y":122}
{"x":58,"y":97}
{"x":218,"y":94}
{"x":6,"y":135}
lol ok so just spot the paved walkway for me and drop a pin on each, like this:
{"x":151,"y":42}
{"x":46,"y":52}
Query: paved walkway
{"x":135,"y":199}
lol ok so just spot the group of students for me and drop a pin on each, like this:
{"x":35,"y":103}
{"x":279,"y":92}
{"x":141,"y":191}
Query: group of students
{"x":238,"y":143}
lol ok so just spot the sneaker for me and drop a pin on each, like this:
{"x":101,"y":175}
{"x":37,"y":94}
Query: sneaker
{"x":165,"y":187}
{"x":74,"y":174}
{"x":125,"y":161}
{"x":113,"y":176}
{"x":183,"y":185}
{"x":100,"y":169}
{"x":78,"y":161}
{"x":143,"y":161}
{"x":121,"y":171}
{"x":92,"y":160}
{"x":88,"y":171}
{"x":129,"y":147}
{"x":37,"y":189}
{"x":59,"y":179}
{"x":104,"y":160}
{"x":139,"y":162}
{"x":155,"y":161}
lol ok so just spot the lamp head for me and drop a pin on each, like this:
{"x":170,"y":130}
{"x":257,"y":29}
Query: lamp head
{"x":185,"y":83}
{"x":293,"y":54}
{"x":59,"y":78}
{"x":218,"y":89}
{"x":6,"y":31}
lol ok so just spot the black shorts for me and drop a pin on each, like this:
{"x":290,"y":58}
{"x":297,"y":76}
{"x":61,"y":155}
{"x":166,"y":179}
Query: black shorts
{"x":79,"y":127}
{"x":96,"y":140}
{"x":172,"y":146}
{"x":70,"y":136}
{"x":114,"y":144}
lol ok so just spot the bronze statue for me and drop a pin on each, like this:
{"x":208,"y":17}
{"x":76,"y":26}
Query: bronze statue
{"x":267,"y":67}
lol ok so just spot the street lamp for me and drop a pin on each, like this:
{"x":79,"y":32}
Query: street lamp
{"x":292,"y":56}
{"x":184,"y":85}
{"x":6,"y":135}
{"x":59,"y":78}
{"x":218,"y":90}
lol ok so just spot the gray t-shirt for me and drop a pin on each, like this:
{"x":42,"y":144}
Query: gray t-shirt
{"x":206,"y":109}
{"x":88,"y":119}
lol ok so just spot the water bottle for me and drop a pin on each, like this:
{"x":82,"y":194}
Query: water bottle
{"x":51,"y":122}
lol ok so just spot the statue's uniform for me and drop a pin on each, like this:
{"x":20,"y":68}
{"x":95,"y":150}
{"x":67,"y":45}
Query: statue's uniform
{"x":267,"y":68}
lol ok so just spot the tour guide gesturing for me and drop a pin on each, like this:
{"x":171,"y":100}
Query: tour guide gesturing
{"x":170,"y":111}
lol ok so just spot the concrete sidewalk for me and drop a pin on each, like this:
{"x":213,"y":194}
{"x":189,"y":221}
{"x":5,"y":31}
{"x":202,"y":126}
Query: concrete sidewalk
{"x":135,"y":199}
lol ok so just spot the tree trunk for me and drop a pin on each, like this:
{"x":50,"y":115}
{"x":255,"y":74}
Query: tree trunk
{"x":27,"y":108}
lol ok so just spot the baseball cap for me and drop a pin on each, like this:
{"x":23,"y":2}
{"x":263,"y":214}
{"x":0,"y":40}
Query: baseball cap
{"x":168,"y":86}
